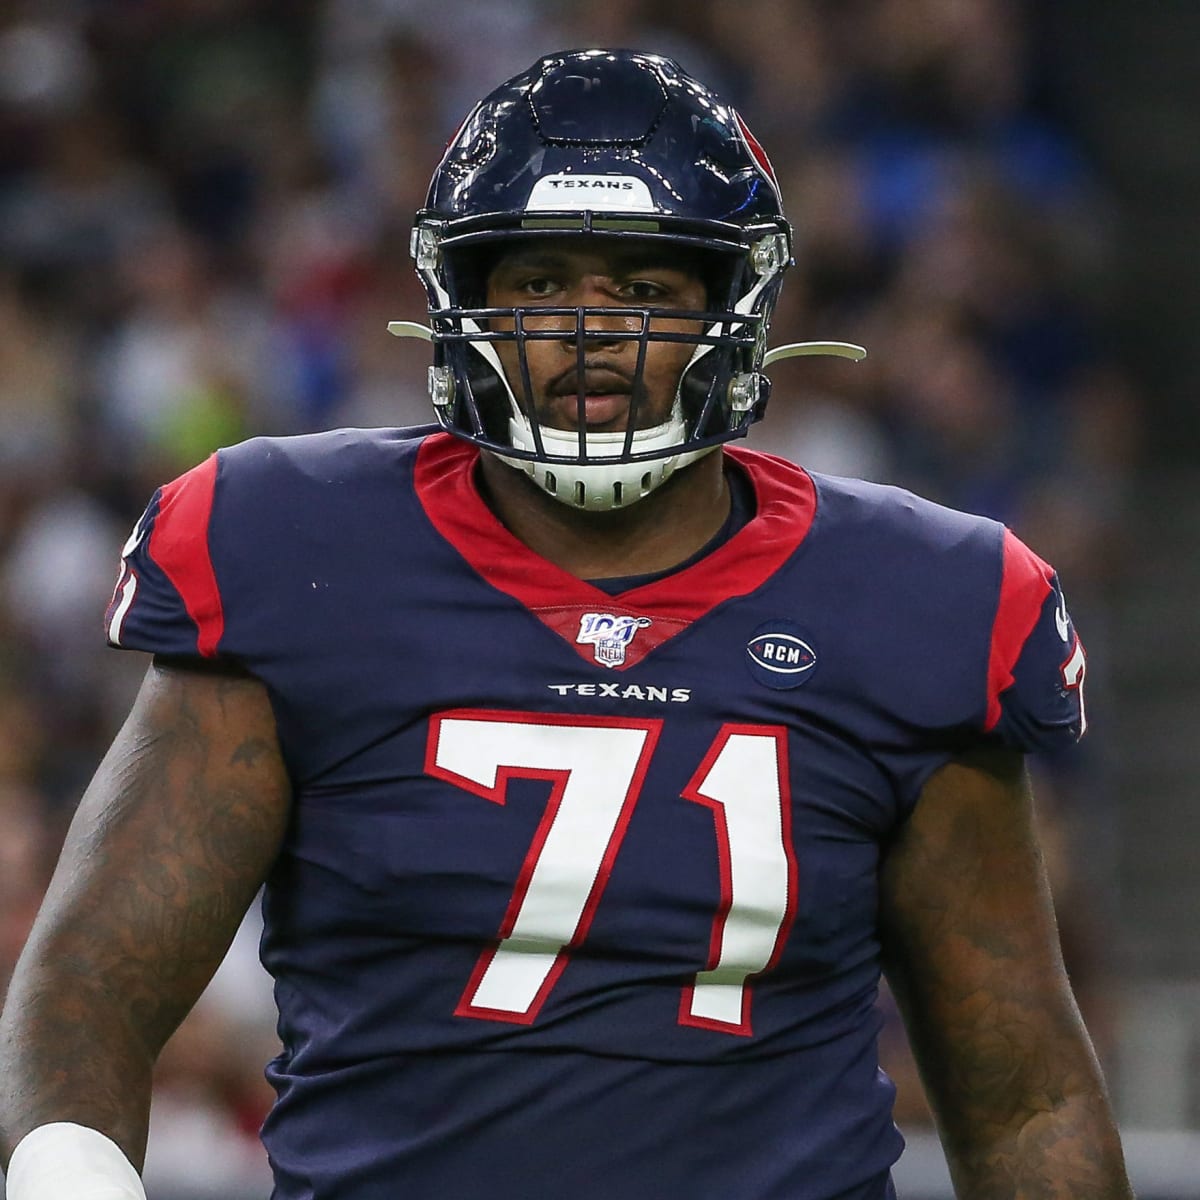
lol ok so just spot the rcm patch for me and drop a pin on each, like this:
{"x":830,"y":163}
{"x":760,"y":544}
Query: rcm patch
{"x":780,"y":655}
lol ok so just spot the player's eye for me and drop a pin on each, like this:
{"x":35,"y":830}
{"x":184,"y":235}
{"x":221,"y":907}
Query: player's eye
{"x":644,"y":289}
{"x":539,"y":286}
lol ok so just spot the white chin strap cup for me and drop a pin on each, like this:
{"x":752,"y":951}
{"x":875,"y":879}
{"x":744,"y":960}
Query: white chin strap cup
{"x":599,"y":486}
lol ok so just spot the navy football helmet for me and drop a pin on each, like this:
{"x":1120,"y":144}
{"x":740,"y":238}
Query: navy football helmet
{"x":602,"y":144}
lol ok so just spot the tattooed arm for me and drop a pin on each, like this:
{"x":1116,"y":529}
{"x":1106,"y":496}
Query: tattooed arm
{"x":972,"y":953}
{"x":167,"y":850}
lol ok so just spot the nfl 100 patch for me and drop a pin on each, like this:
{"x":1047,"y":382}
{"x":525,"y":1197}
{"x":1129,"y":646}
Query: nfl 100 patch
{"x":609,"y":634}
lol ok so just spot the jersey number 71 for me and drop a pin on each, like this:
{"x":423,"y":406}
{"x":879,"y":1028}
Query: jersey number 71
{"x":596,"y":766}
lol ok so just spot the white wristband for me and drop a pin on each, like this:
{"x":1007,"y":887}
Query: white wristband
{"x":64,"y":1161}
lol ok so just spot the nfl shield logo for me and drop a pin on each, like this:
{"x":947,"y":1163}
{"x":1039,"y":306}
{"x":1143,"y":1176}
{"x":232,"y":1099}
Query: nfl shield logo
{"x":609,"y":635}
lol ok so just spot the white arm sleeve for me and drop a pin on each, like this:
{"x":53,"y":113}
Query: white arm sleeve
{"x":64,"y":1161}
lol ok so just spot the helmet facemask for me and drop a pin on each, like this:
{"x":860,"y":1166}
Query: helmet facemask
{"x":718,"y":395}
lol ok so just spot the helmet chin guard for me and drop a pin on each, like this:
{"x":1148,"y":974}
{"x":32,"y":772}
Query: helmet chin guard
{"x":603,"y":146}
{"x":608,"y":479}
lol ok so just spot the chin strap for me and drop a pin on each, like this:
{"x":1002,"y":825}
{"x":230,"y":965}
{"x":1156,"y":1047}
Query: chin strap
{"x":795,"y":349}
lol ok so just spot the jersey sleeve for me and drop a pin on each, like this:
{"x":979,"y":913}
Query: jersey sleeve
{"x":1036,"y":662}
{"x":167,"y":599}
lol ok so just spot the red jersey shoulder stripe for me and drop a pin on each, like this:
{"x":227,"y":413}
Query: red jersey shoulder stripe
{"x":1025,"y":583}
{"x":179,"y":545}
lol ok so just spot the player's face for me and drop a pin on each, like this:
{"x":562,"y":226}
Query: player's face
{"x":570,"y":273}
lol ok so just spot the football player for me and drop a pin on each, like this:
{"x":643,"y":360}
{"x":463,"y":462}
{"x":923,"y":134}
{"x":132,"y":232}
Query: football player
{"x":593,"y":769}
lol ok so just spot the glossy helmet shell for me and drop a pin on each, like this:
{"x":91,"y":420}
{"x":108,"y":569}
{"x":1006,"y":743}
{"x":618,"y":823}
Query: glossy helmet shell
{"x":602,"y":144}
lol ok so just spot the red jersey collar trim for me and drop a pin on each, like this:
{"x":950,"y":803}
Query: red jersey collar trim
{"x":785,"y":504}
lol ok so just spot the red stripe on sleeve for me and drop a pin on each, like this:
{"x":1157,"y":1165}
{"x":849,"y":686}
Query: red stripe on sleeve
{"x":179,"y":545}
{"x":1024,"y":586}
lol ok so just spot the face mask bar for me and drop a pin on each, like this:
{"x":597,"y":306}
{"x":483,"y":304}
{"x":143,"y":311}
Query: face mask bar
{"x":465,"y":340}
{"x":582,"y":338}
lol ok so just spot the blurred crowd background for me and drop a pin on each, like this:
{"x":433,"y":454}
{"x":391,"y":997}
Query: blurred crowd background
{"x":204,"y":218}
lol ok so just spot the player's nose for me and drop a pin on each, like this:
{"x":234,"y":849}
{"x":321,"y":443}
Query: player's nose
{"x":602,"y":328}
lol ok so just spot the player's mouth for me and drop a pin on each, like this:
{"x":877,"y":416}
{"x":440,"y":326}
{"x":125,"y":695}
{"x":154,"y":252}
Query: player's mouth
{"x":606,"y":401}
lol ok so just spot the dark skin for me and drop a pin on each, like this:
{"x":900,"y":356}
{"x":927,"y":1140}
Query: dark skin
{"x":684,"y":514}
{"x":972,"y":954}
{"x":167,"y":849}
{"x":187,"y":812}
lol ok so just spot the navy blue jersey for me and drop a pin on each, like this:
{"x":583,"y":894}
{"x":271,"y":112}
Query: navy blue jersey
{"x":579,"y":894}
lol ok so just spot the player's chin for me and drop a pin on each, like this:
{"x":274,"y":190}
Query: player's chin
{"x":608,"y":413}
